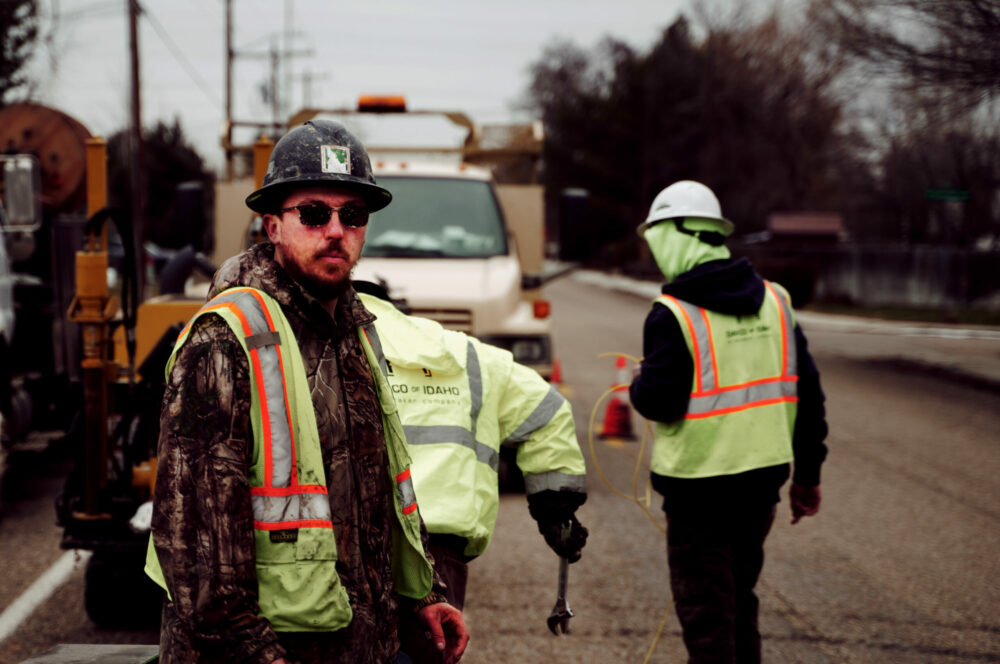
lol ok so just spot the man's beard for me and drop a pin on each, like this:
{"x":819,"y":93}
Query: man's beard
{"x":320,"y":288}
{"x":323,"y":290}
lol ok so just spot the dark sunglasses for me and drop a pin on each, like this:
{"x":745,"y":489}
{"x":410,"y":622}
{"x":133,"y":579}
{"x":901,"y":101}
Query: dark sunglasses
{"x":319,"y":214}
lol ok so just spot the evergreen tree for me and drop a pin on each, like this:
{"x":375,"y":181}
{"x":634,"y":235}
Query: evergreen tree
{"x":169,"y":162}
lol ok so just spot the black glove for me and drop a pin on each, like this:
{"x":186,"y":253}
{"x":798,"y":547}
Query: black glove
{"x":566,"y":545}
{"x":554,"y":509}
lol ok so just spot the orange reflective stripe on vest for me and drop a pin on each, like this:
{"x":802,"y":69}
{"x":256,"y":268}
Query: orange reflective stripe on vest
{"x":709,"y":398}
{"x":281,"y":503}
{"x":407,"y":496}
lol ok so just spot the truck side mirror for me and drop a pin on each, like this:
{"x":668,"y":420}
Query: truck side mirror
{"x":531,"y":281}
{"x":21,"y":210}
{"x":574,"y":231}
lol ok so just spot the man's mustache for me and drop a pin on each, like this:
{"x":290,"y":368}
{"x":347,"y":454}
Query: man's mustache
{"x":333,"y":249}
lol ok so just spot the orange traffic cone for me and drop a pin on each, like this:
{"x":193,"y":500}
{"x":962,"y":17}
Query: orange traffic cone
{"x":618,"y":415}
{"x":556,"y":377}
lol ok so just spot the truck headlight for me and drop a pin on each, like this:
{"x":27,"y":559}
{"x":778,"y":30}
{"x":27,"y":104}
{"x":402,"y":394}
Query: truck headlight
{"x":526,"y":349}
{"x":529,"y":351}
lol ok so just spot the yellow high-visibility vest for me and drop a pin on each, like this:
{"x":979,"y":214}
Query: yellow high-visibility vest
{"x":741,"y":412}
{"x":296,"y":551}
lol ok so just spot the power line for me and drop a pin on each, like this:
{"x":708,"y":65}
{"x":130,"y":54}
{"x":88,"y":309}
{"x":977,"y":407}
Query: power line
{"x":179,"y":56}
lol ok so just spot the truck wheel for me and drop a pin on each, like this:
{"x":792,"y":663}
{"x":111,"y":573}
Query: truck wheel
{"x":118,"y":594}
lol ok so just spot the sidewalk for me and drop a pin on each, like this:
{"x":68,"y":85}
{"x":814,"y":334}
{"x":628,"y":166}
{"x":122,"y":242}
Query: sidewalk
{"x":970,"y":353}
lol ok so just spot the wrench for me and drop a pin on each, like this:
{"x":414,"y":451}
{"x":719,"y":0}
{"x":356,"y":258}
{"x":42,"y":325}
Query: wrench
{"x":561,"y":613}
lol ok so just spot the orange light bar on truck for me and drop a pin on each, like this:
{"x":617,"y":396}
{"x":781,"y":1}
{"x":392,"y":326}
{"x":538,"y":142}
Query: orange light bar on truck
{"x":382,"y":103}
{"x":541,"y":308}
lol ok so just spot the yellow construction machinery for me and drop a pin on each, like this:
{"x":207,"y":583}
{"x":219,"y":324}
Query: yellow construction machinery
{"x":74,"y":267}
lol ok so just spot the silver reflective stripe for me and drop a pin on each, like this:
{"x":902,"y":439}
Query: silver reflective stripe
{"x":475,"y":373}
{"x":281,"y":437}
{"x":428,"y":435}
{"x":273,"y":392}
{"x":554,"y":481}
{"x":296,"y":507}
{"x":376,"y":344}
{"x":542,"y":415}
{"x":702,"y":339}
{"x":743,"y":396}
{"x":407,"y":496}
{"x":433,"y":434}
{"x":715,"y":400}
{"x":788,"y":329}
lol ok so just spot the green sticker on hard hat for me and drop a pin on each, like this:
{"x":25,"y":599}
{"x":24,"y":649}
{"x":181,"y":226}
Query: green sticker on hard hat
{"x":335,"y":159}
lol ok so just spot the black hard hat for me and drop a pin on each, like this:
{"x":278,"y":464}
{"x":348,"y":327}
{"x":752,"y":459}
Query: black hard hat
{"x":315,"y":153}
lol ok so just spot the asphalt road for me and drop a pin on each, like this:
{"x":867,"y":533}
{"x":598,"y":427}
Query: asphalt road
{"x":899,"y":566}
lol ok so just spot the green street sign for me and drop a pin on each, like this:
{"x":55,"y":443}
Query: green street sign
{"x":948,"y":194}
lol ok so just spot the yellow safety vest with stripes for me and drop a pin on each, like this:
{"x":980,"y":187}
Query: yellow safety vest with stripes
{"x":741,"y":412}
{"x":460,"y":400}
{"x":296,"y":551}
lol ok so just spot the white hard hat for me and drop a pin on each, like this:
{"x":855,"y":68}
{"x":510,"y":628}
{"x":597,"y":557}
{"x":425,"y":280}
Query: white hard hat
{"x":689,"y":199}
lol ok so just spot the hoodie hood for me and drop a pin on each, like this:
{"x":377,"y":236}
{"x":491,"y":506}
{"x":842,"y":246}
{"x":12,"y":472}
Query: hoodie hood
{"x":727,"y":286}
{"x":245,"y":269}
{"x":414,"y":342}
{"x":676,"y":252}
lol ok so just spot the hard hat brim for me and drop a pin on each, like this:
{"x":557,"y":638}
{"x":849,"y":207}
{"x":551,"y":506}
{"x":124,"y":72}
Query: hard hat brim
{"x":267,"y":199}
{"x":727,"y":227}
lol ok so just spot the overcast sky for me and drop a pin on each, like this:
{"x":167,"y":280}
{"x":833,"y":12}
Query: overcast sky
{"x":469,"y":55}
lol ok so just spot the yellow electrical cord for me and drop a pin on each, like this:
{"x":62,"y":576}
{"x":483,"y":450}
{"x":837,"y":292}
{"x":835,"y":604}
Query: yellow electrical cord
{"x":642,"y":503}
{"x":656,"y":639}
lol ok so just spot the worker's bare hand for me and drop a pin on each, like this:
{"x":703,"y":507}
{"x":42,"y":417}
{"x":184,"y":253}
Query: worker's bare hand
{"x":805,"y":501}
{"x":447,"y":629}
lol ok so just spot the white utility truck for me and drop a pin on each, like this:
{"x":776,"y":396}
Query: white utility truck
{"x":454,"y":245}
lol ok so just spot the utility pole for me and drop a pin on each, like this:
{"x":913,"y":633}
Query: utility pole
{"x":227,"y":138}
{"x":136,"y":171}
{"x":308,"y":78}
{"x":278,"y":56}
{"x":275,"y":57}
{"x":286,"y":93}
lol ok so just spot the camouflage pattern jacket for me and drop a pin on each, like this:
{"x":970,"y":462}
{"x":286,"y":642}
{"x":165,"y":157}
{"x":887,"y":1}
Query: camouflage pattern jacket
{"x":203,"y":520}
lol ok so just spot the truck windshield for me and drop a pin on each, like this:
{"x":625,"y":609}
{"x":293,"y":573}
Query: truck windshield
{"x":436,"y":218}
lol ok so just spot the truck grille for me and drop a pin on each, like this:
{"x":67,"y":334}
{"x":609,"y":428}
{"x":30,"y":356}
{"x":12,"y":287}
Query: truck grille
{"x":452,"y":319}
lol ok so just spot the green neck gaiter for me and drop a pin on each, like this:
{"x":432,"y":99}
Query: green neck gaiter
{"x":677,"y":252}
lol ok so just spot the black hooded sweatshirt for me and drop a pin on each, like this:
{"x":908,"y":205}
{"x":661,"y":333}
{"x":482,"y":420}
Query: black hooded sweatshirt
{"x":662,"y":389}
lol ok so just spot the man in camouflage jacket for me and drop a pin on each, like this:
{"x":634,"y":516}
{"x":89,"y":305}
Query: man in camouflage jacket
{"x":203,"y":523}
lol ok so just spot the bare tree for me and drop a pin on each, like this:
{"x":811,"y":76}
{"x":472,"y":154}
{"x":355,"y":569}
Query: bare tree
{"x":939,"y":176}
{"x":746,"y":109}
{"x":772,"y":120}
{"x":950,"y":44}
{"x":18,"y":33}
